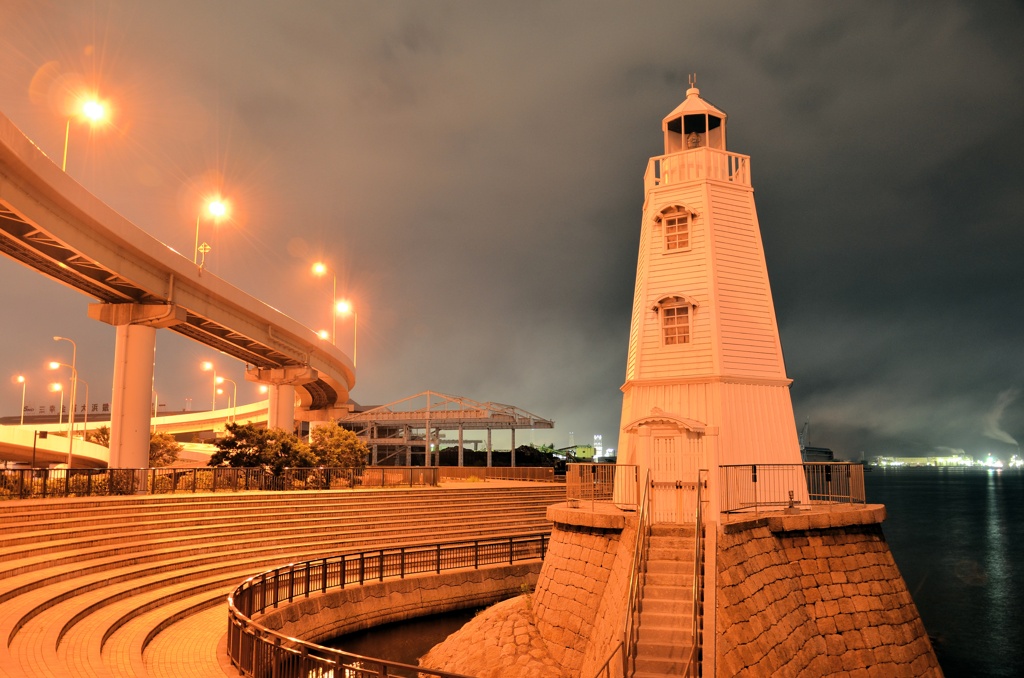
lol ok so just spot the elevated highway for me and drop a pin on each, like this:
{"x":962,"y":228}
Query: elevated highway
{"x":53,"y":225}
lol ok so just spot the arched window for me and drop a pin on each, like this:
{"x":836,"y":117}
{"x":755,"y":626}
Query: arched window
{"x":675,"y":314}
{"x":675,"y":222}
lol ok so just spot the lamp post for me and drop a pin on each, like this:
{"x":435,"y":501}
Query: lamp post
{"x":74,"y":387}
{"x":216,"y":208}
{"x":234,"y":394}
{"x":21,"y":380}
{"x":208,"y":367}
{"x":85,"y":409}
{"x":93,"y":111}
{"x":320,"y":269}
{"x":345,"y":307}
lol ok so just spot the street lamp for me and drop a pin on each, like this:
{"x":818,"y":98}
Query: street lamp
{"x":74,"y":387}
{"x":94,"y":112}
{"x":217,"y":209}
{"x":320,"y":269}
{"x":208,"y":367}
{"x":234,"y":394}
{"x":345,"y":307}
{"x":21,"y":380}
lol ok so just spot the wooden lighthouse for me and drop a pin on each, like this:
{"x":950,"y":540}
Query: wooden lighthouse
{"x":705,"y":385}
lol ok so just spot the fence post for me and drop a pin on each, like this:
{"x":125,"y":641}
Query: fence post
{"x":381,"y":565}
{"x":439,"y":559}
{"x":476,"y":555}
{"x":510,"y":550}
{"x":401,"y":563}
{"x":362,"y":567}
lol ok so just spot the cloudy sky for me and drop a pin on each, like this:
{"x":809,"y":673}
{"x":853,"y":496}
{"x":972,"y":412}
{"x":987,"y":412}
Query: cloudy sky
{"x":473,"y":171}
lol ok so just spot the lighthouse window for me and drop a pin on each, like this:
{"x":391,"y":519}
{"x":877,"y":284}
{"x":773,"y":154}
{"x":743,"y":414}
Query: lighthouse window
{"x":677,"y":231}
{"x":675,"y":324}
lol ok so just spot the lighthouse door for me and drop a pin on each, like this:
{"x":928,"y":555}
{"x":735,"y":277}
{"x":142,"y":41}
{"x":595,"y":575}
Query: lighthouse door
{"x":674,"y":472}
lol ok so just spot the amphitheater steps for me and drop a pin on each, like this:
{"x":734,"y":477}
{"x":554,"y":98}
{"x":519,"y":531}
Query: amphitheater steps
{"x":85,"y":587}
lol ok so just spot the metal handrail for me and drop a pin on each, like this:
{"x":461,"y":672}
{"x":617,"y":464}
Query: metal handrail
{"x":693,"y":662}
{"x":100,"y":482}
{"x":637,"y":577}
{"x":258,"y":651}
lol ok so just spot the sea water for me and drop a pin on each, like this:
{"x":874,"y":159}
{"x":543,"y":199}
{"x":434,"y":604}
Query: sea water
{"x":958,"y":539}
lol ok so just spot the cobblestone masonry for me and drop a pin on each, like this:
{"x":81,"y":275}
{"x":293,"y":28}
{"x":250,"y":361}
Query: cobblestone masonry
{"x":815,"y":601}
{"x":575,"y":615}
{"x":502,"y":641}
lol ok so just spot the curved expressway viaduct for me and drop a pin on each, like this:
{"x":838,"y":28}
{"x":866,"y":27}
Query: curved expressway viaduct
{"x":52,"y":224}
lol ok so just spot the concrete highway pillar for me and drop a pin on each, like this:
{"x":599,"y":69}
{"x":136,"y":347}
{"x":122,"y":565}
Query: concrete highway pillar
{"x":281,"y":407}
{"x":132,"y":396}
{"x":282,"y":382}
{"x":134,"y":354}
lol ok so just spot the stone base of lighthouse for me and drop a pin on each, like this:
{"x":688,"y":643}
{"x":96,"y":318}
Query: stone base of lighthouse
{"x":812,"y":594}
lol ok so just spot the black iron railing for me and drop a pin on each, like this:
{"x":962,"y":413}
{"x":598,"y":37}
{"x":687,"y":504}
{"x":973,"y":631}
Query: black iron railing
{"x":99,"y":482}
{"x":260,"y":652}
{"x":587,"y":485}
{"x":755,"y":486}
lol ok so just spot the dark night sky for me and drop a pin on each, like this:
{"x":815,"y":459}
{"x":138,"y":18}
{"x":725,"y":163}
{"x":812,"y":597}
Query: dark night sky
{"x":474,"y":171}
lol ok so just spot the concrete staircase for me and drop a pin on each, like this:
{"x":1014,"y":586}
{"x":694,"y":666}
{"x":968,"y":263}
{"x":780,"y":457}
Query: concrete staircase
{"x":87,"y":584}
{"x":666,"y":611}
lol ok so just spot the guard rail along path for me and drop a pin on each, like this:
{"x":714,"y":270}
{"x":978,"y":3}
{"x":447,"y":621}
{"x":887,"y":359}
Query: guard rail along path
{"x":751,"y":487}
{"x":44,"y":482}
{"x":262,"y":653}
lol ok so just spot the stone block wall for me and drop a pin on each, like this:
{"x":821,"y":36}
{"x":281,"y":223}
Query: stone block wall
{"x":576,"y":612}
{"x":810,"y":595}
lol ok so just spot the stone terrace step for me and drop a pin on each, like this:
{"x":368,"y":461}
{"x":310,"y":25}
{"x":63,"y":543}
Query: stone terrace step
{"x":89,"y":583}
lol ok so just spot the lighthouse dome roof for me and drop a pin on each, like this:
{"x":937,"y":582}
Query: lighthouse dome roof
{"x":693,"y":104}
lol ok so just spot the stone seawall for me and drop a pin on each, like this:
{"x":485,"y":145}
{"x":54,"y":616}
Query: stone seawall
{"x":341,"y":611}
{"x":573,"y":619}
{"x":816,"y":594}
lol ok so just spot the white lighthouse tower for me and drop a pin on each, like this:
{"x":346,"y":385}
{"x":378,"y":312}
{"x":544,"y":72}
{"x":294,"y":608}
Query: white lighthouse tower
{"x":705,"y":381}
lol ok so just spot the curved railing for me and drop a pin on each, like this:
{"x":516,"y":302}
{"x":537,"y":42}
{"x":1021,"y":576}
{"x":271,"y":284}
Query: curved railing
{"x":260,"y":652}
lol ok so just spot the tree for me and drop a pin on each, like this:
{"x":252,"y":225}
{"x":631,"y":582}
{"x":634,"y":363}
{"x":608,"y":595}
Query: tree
{"x":333,"y":445}
{"x":273,"y":449}
{"x":100,"y":436}
{"x":163,"y":449}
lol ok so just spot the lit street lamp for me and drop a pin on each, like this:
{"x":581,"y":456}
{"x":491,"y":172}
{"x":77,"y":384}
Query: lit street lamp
{"x":56,"y":387}
{"x":208,"y":367}
{"x":74,"y":387}
{"x":21,"y":380}
{"x":345,"y":307}
{"x":94,"y":112}
{"x":234,"y":394}
{"x":217,"y":209}
{"x":320,"y":269}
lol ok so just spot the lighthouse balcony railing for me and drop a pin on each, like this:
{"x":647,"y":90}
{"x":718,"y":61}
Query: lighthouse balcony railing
{"x":697,"y":163}
{"x":753,"y":487}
